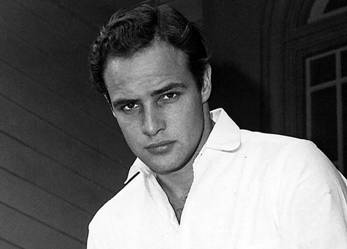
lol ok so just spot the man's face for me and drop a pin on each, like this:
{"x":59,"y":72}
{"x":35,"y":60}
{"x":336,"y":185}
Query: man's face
{"x":158,"y":106}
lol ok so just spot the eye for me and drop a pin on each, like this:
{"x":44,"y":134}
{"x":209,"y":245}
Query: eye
{"x":167,"y":97}
{"x":130,"y":107}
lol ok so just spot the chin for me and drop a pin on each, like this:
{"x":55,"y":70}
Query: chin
{"x":168,"y":169}
{"x":165,"y":164}
{"x":162,"y":170}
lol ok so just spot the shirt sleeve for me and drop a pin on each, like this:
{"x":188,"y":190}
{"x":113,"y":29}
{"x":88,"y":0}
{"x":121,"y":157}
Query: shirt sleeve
{"x":312,"y":207}
{"x":91,"y":243}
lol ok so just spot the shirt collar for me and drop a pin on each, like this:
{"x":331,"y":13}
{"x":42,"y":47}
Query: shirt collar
{"x":225,"y":136}
{"x":138,"y":166}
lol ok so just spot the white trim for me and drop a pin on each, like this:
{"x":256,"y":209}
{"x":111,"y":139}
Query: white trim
{"x":317,"y":11}
{"x":339,"y":112}
{"x":308,"y":100}
{"x":322,"y":86}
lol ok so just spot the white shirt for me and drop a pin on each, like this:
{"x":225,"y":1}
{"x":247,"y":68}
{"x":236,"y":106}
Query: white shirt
{"x":250,"y":191}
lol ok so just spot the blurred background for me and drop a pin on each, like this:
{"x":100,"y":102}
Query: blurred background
{"x":278,"y":66}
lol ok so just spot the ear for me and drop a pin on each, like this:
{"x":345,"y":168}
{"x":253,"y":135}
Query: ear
{"x":206,"y":84}
{"x":108,"y":100}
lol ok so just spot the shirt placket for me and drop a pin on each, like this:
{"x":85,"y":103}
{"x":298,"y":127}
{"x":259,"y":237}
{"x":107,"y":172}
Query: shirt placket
{"x":184,"y":227}
{"x":162,"y":203}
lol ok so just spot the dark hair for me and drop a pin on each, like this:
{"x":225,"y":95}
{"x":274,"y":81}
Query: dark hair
{"x":129,"y":31}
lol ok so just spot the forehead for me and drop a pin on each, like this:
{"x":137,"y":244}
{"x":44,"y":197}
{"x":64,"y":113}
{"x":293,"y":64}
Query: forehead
{"x":149,"y":67}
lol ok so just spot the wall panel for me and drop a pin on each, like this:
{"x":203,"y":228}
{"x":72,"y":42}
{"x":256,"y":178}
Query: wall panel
{"x":62,"y":155}
{"x":40,"y":205}
{"x":34,"y":31}
{"x":29,"y":233}
{"x":26,"y":163}
{"x":53,"y":109}
{"x":60,"y":20}
{"x":34,"y":63}
{"x":56,"y":145}
{"x":8,"y":245}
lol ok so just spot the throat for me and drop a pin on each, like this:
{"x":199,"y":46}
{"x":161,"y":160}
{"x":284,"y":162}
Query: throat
{"x":177,"y":205}
{"x":176,"y":188}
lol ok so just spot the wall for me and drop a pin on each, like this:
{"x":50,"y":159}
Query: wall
{"x":258,"y":52}
{"x":62,"y":154}
{"x":233,"y":30}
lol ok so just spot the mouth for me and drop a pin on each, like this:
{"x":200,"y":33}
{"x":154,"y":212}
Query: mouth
{"x":160,"y":147}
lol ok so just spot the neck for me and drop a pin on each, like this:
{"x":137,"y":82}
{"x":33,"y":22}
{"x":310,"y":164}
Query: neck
{"x":177,"y":184}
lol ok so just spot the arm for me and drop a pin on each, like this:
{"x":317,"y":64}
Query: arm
{"x":313,"y":207}
{"x":91,"y":244}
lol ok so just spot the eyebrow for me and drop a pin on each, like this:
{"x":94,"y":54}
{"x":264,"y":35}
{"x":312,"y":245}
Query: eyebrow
{"x":169,"y":87}
{"x":166,"y":88}
{"x":120,"y":102}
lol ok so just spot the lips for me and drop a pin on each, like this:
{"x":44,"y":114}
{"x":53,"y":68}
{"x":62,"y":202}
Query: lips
{"x":160,"y":147}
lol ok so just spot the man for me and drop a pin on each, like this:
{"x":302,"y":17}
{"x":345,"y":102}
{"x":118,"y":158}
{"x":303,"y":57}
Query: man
{"x":198,"y":180}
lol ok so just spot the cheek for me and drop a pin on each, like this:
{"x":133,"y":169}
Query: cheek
{"x":188,"y":120}
{"x":130,"y":133}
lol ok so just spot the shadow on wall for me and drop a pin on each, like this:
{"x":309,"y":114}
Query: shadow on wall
{"x":239,"y":95}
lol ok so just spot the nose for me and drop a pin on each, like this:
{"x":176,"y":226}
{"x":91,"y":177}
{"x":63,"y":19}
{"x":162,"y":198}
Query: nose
{"x":153,"y":121}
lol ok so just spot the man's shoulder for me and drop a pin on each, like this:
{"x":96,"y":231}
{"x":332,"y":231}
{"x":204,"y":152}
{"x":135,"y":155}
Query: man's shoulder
{"x":270,"y":138}
{"x":279,"y":151}
{"x":275,"y":144}
{"x":290,"y":156}
{"x":119,"y":205}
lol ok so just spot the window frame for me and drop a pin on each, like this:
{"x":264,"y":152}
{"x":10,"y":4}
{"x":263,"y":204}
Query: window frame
{"x":337,"y":83}
{"x":287,"y":40}
{"x":317,"y":11}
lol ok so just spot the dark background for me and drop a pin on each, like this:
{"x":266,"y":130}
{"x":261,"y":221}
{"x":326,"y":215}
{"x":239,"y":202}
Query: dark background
{"x":61,"y":152}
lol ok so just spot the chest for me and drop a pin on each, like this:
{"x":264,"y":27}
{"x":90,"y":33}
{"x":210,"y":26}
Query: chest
{"x":220,"y":212}
{"x":233,"y":206}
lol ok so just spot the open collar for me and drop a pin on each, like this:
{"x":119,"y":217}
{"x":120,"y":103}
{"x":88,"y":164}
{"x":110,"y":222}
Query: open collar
{"x":138,"y":166}
{"x":225,"y":136}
